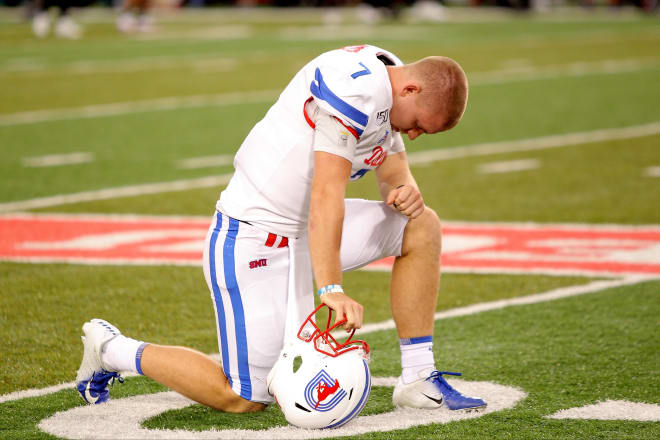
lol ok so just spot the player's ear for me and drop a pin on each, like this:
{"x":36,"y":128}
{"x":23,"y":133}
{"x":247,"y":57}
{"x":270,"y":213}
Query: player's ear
{"x":411,"y":88}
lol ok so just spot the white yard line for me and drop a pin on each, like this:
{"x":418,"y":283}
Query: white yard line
{"x":36,"y":392}
{"x":53,"y":160}
{"x":508,"y":166}
{"x":418,"y":158}
{"x":473,"y":309}
{"x":149,"y":105}
{"x":533,"y":144}
{"x":111,"y":193}
{"x":563,"y":292}
{"x":205,"y":161}
{"x":534,"y":73}
{"x":652,"y":172}
{"x":127,"y":65}
{"x":508,"y":75}
{"x":612,"y":410}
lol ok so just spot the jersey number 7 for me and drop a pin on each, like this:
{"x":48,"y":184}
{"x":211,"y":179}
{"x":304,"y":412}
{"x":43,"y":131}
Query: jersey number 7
{"x":366,"y":71}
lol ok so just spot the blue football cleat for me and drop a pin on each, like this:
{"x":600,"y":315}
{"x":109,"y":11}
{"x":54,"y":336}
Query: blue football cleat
{"x":433,"y":391}
{"x":96,"y":390}
{"x":93,"y":377}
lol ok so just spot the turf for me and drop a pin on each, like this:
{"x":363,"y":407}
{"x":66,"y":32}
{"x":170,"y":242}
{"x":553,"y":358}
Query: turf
{"x":168,"y":305}
{"x":604,"y":349}
{"x":531,"y":76}
{"x":144,"y":147}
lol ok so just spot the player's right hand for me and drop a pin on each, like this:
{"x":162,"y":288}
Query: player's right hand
{"x":344,"y":306}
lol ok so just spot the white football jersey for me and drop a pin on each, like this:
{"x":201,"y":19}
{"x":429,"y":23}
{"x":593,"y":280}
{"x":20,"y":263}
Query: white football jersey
{"x":275,"y":164}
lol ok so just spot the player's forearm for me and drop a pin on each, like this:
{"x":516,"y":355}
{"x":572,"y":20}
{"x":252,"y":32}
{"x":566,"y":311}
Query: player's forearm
{"x":392,"y":180}
{"x":396,"y":181}
{"x":394,"y":172}
{"x":326,"y":216}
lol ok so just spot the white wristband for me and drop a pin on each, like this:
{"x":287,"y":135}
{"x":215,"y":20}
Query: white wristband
{"x":330,"y":288}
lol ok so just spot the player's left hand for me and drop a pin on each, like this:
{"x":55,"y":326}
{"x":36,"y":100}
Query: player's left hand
{"x":406,"y":199}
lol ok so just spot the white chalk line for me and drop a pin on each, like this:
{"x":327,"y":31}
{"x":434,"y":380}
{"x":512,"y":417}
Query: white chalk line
{"x":508,"y":166}
{"x":126,"y":65}
{"x":175,"y":103}
{"x":54,"y":160}
{"x":551,"y":295}
{"x":149,"y":105}
{"x":652,"y":172}
{"x":532,"y":144}
{"x":205,"y":161}
{"x":416,"y":158}
{"x":112,"y":193}
{"x":122,"y":418}
{"x":578,"y":69}
{"x":612,"y":410}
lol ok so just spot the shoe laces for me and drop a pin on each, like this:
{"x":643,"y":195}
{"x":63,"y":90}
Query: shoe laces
{"x":436,"y":378}
{"x":104,"y":376}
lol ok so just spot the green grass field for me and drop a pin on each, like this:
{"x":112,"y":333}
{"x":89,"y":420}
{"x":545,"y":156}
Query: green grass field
{"x":570,"y":73}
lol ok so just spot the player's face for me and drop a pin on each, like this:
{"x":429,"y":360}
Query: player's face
{"x":409,"y":118}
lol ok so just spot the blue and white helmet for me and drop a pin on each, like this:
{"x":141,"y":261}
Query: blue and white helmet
{"x":330,"y":383}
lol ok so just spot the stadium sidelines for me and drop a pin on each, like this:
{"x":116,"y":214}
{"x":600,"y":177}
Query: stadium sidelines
{"x":551,"y":295}
{"x":510,"y":75}
{"x":415,"y":158}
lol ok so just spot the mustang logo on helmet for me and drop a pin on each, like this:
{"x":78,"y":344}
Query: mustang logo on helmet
{"x":331,"y":385}
{"x":323,"y":392}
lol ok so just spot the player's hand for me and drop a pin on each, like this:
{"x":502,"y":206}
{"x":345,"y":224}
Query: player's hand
{"x":343,"y":305}
{"x":407,"y":200}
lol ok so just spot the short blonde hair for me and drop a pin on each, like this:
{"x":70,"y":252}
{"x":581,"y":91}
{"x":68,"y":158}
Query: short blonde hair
{"x":444,"y":87}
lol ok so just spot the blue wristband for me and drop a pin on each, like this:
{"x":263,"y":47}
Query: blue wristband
{"x":330,"y":288}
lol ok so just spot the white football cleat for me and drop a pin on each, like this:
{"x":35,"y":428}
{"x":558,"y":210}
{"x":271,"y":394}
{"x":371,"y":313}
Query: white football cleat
{"x":93,"y":376}
{"x":432,"y":391}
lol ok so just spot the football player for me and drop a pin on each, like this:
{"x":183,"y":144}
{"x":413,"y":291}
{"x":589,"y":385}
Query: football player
{"x":284,"y":219}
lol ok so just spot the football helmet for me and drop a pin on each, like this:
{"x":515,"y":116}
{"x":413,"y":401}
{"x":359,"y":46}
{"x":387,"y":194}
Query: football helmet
{"x":330,"y":383}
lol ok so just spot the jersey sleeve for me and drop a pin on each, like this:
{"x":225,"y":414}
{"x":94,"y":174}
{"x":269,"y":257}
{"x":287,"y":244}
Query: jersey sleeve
{"x":332,"y":136}
{"x":344,"y":94}
{"x":397,"y":143}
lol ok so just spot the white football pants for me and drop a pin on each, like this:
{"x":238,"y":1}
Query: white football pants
{"x":262,"y":285}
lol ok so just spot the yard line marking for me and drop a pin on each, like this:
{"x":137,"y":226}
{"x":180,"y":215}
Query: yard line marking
{"x":178,"y":102}
{"x":652,"y":172}
{"x":53,"y":160}
{"x":205,"y":161}
{"x":126,"y":65}
{"x":123,"y":417}
{"x":148,"y":105}
{"x":612,"y":410}
{"x":473,"y":309}
{"x":508,"y":166}
{"x":533,"y":144}
{"x":551,"y":295}
{"x":417,"y":158}
{"x":122,"y":191}
{"x":37,"y":392}
{"x":535,"y":73}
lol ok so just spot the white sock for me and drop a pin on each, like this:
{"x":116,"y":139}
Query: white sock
{"x":416,"y":355}
{"x":123,"y":354}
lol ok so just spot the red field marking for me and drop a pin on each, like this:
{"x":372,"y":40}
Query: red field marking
{"x":110,"y":240}
{"x":467,"y":247}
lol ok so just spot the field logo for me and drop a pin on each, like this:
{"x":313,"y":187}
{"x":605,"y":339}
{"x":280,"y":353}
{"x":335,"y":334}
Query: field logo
{"x":567,"y":249}
{"x":320,"y":388}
